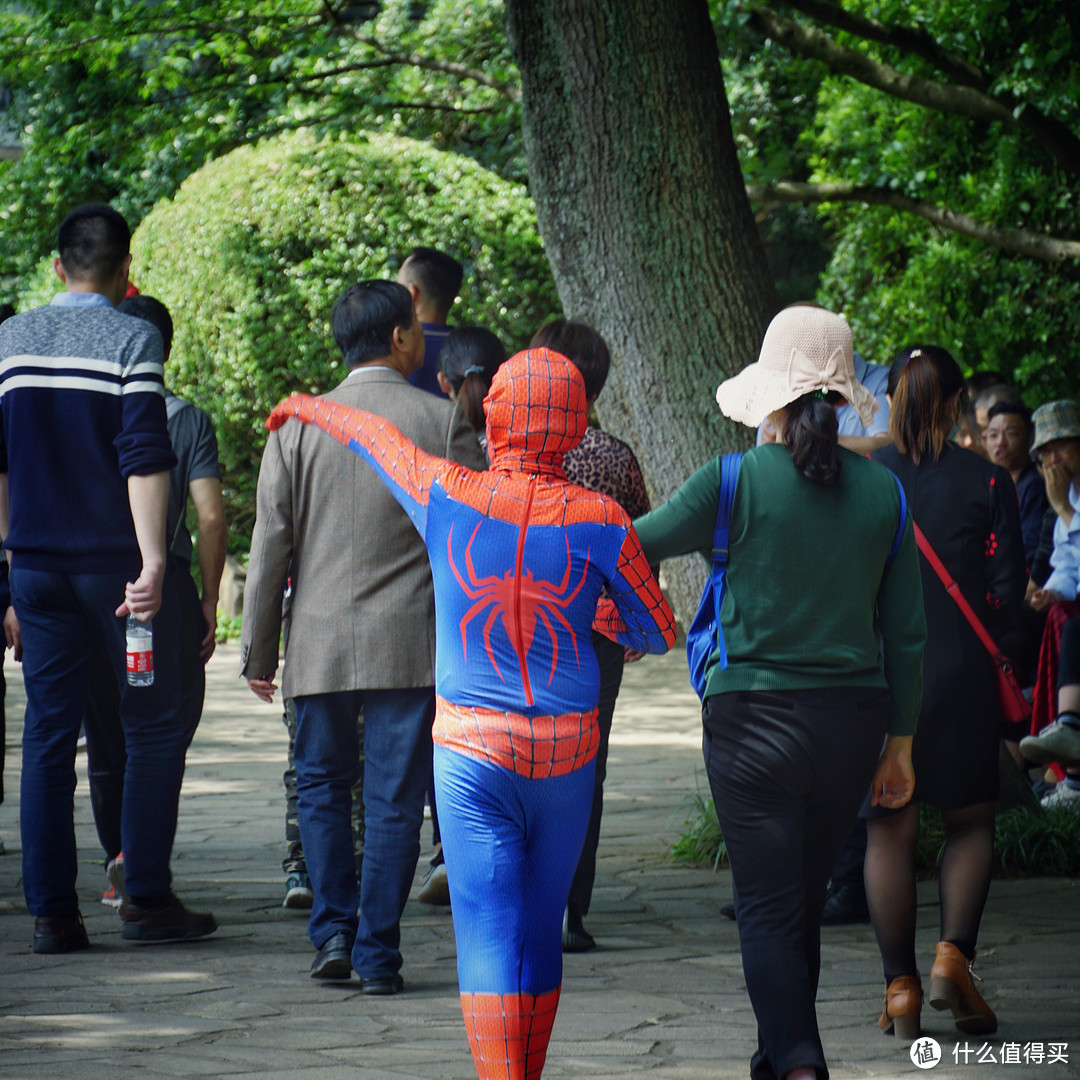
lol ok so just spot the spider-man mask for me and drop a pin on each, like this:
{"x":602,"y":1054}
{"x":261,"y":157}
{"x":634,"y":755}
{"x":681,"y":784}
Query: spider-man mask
{"x":536,"y":411}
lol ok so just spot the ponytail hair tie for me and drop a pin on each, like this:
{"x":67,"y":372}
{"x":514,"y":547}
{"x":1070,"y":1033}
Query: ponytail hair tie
{"x":914,"y":354}
{"x":476,"y":369}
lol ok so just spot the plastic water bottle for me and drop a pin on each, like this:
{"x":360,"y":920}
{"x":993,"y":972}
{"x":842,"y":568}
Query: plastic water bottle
{"x":140,"y":652}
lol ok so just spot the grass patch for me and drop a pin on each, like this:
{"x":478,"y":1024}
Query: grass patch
{"x":1026,"y":844}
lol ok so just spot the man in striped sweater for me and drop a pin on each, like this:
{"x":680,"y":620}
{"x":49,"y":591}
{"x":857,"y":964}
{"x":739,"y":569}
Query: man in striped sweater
{"x":84,"y":482}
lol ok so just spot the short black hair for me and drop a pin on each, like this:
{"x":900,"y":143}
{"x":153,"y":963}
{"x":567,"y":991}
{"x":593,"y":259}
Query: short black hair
{"x":365,"y":317}
{"x":153,"y":311}
{"x":6,"y":311}
{"x":580,"y":344}
{"x":93,"y":241}
{"x":1011,"y":407}
{"x":439,"y":275}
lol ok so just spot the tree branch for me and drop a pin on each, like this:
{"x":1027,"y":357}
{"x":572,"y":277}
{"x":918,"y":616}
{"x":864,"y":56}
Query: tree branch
{"x":1019,"y":241}
{"x":917,"y":42}
{"x":447,"y":67}
{"x":1053,"y":136}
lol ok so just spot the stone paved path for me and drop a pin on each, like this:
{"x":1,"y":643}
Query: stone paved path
{"x":663,"y":997}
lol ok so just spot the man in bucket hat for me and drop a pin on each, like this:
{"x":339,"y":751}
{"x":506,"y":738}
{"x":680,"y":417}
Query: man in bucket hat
{"x":1057,"y":446}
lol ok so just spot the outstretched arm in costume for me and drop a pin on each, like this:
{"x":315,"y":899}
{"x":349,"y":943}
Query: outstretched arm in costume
{"x":406,"y":470}
{"x":635,"y":613}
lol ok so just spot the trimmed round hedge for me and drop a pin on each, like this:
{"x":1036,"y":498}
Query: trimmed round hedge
{"x":254,"y":248}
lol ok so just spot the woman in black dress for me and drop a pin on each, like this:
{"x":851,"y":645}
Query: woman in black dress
{"x":968,"y":510}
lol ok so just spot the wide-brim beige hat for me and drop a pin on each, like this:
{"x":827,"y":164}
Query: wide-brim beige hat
{"x":805,"y":349}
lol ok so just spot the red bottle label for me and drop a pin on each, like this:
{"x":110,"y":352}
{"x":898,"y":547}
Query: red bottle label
{"x":140,"y":661}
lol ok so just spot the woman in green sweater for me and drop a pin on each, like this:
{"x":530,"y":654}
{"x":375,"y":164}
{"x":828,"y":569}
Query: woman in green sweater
{"x":823,"y":626}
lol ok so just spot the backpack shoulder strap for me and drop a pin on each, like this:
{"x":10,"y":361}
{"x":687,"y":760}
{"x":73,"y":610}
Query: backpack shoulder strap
{"x":729,"y":473}
{"x":903,"y":518}
{"x":704,"y":636}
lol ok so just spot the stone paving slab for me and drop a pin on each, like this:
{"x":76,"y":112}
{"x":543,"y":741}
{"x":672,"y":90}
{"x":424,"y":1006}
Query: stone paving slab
{"x":663,"y":997}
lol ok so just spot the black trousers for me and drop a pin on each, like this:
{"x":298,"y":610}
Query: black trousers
{"x":788,"y":771}
{"x":609,"y":655}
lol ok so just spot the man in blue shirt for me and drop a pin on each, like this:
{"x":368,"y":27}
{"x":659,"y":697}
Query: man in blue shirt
{"x":84,"y":483}
{"x":433,"y":279}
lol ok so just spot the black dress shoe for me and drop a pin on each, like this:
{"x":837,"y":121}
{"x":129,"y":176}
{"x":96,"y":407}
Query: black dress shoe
{"x":728,"y":911}
{"x":382,"y":984}
{"x":575,"y":938}
{"x":844,"y":905}
{"x":59,"y":934}
{"x":166,"y":922}
{"x":334,"y":959}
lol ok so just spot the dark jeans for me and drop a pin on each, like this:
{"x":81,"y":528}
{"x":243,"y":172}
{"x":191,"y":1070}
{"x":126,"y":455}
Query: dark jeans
{"x":397,"y":759}
{"x":106,"y":753}
{"x":294,"y":862}
{"x":609,"y":654}
{"x":788,"y":771}
{"x":3,"y":721}
{"x":64,"y":620}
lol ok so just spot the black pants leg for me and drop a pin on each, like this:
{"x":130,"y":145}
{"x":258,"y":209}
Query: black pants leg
{"x":106,"y":753}
{"x":849,"y":867}
{"x":610,"y":656}
{"x":192,"y":669}
{"x":788,"y":771}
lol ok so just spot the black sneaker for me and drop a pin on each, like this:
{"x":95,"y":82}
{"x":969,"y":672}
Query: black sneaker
{"x":575,"y":938}
{"x":170,"y":921}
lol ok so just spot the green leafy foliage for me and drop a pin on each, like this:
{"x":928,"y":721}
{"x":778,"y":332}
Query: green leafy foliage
{"x":251,"y":253}
{"x":898,"y":278}
{"x":772,"y":96}
{"x":121,"y":101}
{"x":902,"y":280}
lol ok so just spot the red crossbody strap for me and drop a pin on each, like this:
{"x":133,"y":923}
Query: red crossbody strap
{"x":954,"y":591}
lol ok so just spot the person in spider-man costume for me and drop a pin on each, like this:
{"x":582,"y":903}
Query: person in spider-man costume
{"x":519,"y":557}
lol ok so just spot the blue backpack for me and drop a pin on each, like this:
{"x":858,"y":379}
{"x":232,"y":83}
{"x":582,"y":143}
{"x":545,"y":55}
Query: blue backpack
{"x":705,"y":635}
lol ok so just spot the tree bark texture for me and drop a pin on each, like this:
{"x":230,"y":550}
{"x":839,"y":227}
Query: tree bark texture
{"x":646,"y":222}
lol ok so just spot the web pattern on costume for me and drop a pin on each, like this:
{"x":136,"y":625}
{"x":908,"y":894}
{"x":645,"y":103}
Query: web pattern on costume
{"x":543,"y":550}
{"x":526,"y":488}
{"x":536,"y":747}
{"x":509,"y":1033}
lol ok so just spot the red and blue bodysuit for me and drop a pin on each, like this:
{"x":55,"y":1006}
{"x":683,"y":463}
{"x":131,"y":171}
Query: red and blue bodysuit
{"x":519,"y":558}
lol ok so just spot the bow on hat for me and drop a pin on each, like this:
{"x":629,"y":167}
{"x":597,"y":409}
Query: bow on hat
{"x":804,"y":376}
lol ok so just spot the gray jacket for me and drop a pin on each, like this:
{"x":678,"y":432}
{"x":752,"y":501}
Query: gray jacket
{"x":361,"y":611}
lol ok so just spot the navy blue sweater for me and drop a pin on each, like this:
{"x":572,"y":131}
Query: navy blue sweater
{"x":82,"y":408}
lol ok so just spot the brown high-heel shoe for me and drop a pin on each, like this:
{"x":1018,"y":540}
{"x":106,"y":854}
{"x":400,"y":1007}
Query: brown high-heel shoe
{"x":952,"y":986}
{"x":903,"y":1004}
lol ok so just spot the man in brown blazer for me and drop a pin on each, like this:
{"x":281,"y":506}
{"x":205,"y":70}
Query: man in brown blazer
{"x":359,"y":625}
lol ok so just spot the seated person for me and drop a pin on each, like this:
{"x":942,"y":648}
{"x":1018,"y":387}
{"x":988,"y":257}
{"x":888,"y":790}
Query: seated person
{"x":1006,"y":439}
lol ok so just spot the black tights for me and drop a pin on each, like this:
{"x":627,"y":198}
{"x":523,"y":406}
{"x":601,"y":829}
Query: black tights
{"x":963,"y":881}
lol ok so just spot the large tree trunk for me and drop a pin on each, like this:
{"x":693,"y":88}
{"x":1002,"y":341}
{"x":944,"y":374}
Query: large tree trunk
{"x":645,"y":220}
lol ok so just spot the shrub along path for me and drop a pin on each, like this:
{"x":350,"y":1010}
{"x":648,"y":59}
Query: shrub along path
{"x":663,"y":995}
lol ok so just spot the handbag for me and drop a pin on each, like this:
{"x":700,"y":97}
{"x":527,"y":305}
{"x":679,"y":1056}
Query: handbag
{"x":1015,"y":708}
